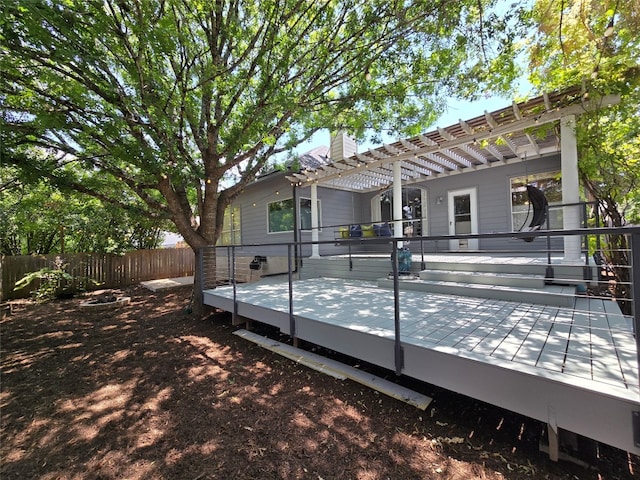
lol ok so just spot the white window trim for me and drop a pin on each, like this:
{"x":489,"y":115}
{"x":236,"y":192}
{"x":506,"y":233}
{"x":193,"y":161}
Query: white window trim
{"x":231,"y":231}
{"x":269,"y":232}
{"x":549,"y":173}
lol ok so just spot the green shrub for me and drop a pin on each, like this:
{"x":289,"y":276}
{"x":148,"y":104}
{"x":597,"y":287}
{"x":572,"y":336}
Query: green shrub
{"x":55,"y":282}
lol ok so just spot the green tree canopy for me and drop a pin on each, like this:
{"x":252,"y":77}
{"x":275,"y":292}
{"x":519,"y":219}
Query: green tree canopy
{"x":595,"y":43}
{"x":165,"y":99}
{"x":38,"y":218}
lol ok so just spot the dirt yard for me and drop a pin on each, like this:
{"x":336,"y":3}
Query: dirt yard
{"x":150,"y":392}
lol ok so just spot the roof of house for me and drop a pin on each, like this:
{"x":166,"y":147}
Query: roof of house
{"x":315,"y":158}
{"x":519,"y":132}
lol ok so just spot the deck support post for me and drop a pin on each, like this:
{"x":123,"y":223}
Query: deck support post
{"x":398,"y":353}
{"x":554,"y":443}
{"x":553,"y":436}
{"x":292,"y":320}
{"x":315,"y":247}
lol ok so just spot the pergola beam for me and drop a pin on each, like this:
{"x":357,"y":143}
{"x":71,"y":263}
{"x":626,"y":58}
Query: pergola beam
{"x":442,"y":154}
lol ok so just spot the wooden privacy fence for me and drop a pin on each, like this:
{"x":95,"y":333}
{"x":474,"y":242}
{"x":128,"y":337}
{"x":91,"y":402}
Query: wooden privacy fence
{"x":111,"y":271}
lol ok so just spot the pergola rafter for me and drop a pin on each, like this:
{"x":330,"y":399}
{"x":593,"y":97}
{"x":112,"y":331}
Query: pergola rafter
{"x":511,"y":134}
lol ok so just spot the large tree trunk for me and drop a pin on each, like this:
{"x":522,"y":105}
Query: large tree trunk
{"x":204,"y":278}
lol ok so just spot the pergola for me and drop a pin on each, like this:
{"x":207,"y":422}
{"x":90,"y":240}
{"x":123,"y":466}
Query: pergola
{"x":520,"y":132}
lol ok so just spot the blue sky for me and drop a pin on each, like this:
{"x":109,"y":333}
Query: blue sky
{"x":456,"y":110}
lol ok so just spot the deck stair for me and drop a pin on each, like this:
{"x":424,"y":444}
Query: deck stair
{"x":519,"y":283}
{"x":554,"y":295}
{"x":501,"y":278}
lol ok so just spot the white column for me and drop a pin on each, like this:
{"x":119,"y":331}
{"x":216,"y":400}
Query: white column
{"x":315,"y":248}
{"x":397,"y":200}
{"x":570,"y":186}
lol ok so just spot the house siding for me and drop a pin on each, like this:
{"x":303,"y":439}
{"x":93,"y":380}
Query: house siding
{"x":340,"y":207}
{"x":493,"y":196}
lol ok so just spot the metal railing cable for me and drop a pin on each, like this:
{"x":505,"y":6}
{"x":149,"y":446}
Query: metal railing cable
{"x":360,"y":266}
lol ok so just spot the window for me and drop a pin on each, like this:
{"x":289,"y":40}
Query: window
{"x":414,"y":201}
{"x":281,"y":215}
{"x":230,"y":234}
{"x":305,"y":214}
{"x":521,"y":212}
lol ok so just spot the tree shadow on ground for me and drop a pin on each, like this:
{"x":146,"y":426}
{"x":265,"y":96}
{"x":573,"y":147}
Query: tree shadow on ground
{"x":146,"y":391}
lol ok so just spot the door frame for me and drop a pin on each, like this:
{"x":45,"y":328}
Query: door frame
{"x":376,"y":210}
{"x":458,"y":244}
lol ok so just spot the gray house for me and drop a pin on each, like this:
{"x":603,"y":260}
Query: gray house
{"x":518,"y":320}
{"x":466,"y":178}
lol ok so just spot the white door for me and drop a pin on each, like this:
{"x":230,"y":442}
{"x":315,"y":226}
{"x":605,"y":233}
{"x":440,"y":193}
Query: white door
{"x":463,"y":218}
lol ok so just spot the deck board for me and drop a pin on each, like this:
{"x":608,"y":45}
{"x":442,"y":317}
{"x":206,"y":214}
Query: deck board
{"x":587,"y":342}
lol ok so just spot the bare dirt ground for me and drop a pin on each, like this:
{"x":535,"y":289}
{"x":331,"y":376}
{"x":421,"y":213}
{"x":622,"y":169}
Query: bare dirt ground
{"x":147,"y":391}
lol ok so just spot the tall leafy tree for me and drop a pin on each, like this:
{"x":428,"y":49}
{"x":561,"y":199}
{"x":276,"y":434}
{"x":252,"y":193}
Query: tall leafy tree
{"x":38,"y":218}
{"x":595,"y":43}
{"x":167,"y":99}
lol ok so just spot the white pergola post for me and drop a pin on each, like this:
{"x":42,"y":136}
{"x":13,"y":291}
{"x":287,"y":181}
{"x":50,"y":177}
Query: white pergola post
{"x":315,"y":248}
{"x":570,"y":187}
{"x":397,"y":200}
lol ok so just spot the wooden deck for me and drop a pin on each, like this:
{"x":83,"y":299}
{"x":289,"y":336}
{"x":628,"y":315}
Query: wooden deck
{"x":572,"y":368}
